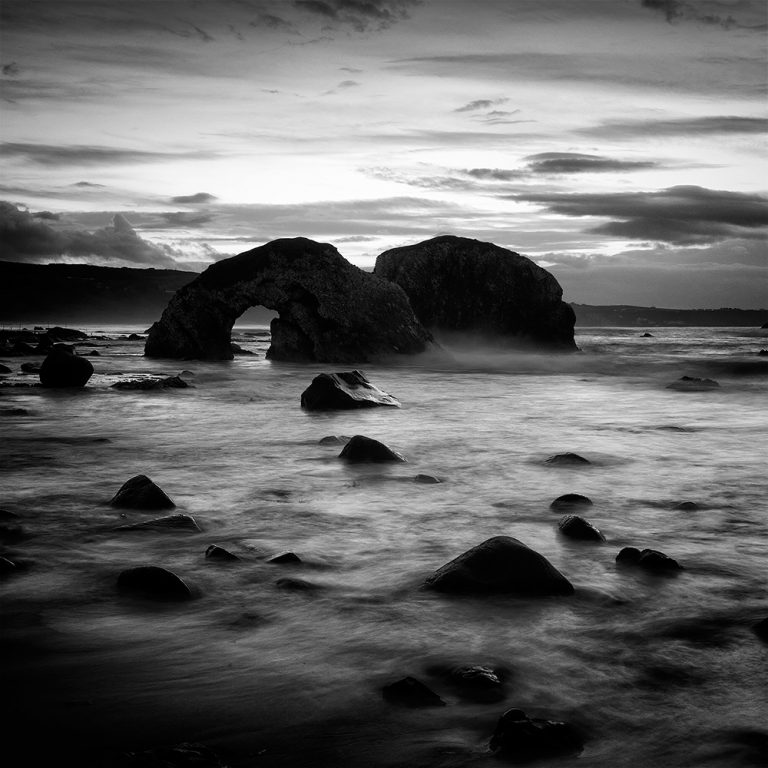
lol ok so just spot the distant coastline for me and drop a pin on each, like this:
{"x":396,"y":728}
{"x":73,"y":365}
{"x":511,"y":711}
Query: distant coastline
{"x":81,"y":293}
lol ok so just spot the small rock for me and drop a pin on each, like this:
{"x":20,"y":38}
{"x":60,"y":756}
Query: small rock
{"x":409,"y":692}
{"x":141,"y":493}
{"x":500,"y":565}
{"x":693,"y":384}
{"x":520,"y":737}
{"x":361,"y":449}
{"x":575,"y":527}
{"x":687,"y":506}
{"x":647,"y":336}
{"x":153,"y":582}
{"x":6,"y":514}
{"x":567,"y":460}
{"x":343,"y":391}
{"x":478,"y":683}
{"x":287,"y":558}
{"x":169,"y":382}
{"x":569,"y":500}
{"x":238,"y":350}
{"x":135,"y":337}
{"x":215,"y":552}
{"x":427,"y":479}
{"x":63,"y":368}
{"x":334,"y":440}
{"x":649,"y":559}
{"x":10,"y":532}
{"x":94,"y":353}
{"x":30,"y":367}
{"x":170,"y":522}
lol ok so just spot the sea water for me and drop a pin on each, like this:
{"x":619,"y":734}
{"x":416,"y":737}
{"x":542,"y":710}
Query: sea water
{"x":652,"y":670}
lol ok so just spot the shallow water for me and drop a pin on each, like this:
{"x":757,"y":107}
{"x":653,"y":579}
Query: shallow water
{"x":655,"y":671}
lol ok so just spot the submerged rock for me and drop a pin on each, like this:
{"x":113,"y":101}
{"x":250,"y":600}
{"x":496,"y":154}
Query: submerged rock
{"x":693,"y":384}
{"x":500,"y":565}
{"x":569,"y":500}
{"x":334,"y":440}
{"x":477,"y":682}
{"x":141,"y":493}
{"x":170,"y":522}
{"x":287,"y":558}
{"x":153,"y":582}
{"x":409,"y":692}
{"x":460,"y":285}
{"x":296,"y":585}
{"x":329,"y":310}
{"x":361,"y":449}
{"x":649,"y":559}
{"x":427,"y":479}
{"x":343,"y":391}
{"x":687,"y":506}
{"x":575,"y":527}
{"x":63,"y":368}
{"x":647,"y":336}
{"x":215,"y":552}
{"x":567,"y":460}
{"x":520,"y":737}
{"x":169,"y":382}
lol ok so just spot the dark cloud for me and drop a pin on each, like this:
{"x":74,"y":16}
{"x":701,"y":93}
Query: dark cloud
{"x":184,"y":219}
{"x":87,"y":184}
{"x":270,"y":21}
{"x":494,"y":174}
{"x":675,"y":10}
{"x":480,"y":104}
{"x":81,"y":154}
{"x":11,"y":69}
{"x":360,"y":15}
{"x":46,"y":215}
{"x":683,"y":215}
{"x":24,"y":238}
{"x":690,"y":126}
{"x":198,"y":197}
{"x":557,"y":163}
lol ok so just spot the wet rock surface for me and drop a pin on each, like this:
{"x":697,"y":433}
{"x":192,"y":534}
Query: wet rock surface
{"x":344,"y":391}
{"x":63,"y":368}
{"x":576,"y":527}
{"x":569,"y":501}
{"x":153,"y":582}
{"x":648,"y":559}
{"x":215,"y":552}
{"x":567,"y":460}
{"x":365,"y":449}
{"x":141,"y":493}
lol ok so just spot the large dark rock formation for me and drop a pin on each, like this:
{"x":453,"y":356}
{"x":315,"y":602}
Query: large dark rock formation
{"x":500,"y":565}
{"x":329,"y":310}
{"x":63,"y":368}
{"x":459,"y":285}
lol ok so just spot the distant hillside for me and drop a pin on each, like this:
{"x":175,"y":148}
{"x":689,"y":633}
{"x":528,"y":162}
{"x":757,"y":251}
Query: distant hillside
{"x":68,"y":294}
{"x":621,"y":315}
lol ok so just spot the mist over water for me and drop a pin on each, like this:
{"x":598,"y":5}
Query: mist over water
{"x":655,"y":671}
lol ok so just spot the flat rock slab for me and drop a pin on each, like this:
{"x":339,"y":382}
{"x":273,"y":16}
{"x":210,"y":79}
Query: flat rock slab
{"x":500,"y":564}
{"x":344,"y":391}
{"x":361,"y":449}
{"x":153,"y":582}
{"x":141,"y":493}
{"x":168,"y":523}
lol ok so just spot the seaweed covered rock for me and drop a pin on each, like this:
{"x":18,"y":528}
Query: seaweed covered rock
{"x":343,"y":391}
{"x":457,"y":285}
{"x":141,"y":493}
{"x":63,"y":368}
{"x":500,"y":564}
{"x":328,"y":309}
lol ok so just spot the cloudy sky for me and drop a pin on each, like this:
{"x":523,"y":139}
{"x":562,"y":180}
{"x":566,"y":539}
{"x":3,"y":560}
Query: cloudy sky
{"x":619,"y":143}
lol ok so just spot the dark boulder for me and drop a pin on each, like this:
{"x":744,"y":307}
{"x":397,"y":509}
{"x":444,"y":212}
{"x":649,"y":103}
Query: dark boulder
{"x":457,"y":285}
{"x":63,"y":368}
{"x":329,"y":310}
{"x":57,"y":333}
{"x":693,"y":384}
{"x":30,"y":367}
{"x":647,"y":336}
{"x":238,"y":350}
{"x":14,"y":412}
{"x":500,"y":565}
{"x":519,"y":737}
{"x":287,"y":558}
{"x":153,"y":582}
{"x":21,"y":349}
{"x":575,"y":527}
{"x":134,"y":337}
{"x":567,"y":460}
{"x":168,"y":523}
{"x":343,"y":391}
{"x":141,"y":493}
{"x":761,"y":629}
{"x":94,"y":353}
{"x":648,"y":559}
{"x":687,"y":506}
{"x":763,"y":352}
{"x":410,"y":692}
{"x":215,"y":552}
{"x":361,"y":449}
{"x":426,"y":479}
{"x":569,"y":501}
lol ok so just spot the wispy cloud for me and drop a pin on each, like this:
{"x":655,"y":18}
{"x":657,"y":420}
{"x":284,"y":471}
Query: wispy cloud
{"x":687,"y":126}
{"x":360,"y":15}
{"x":81,"y":154}
{"x":198,"y":197}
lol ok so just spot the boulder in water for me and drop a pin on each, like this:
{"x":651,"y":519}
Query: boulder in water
{"x":63,"y":368}
{"x":344,"y":391}
{"x":410,"y":692}
{"x":215,"y":552}
{"x":500,"y":565}
{"x":334,"y":440}
{"x":477,"y":682}
{"x":286,"y":558}
{"x":687,"y":506}
{"x":647,"y":336}
{"x":362,"y":449}
{"x":147,"y":383}
{"x":457,"y":285}
{"x":30,"y":367}
{"x":153,"y":582}
{"x":567,"y":460}
{"x":426,"y":479}
{"x":141,"y":493}
{"x":575,"y":527}
{"x":648,"y":559}
{"x":168,"y":523}
{"x":296,"y":585}
{"x":519,"y":737}
{"x":693,"y":384}
{"x":329,"y":310}
{"x":569,"y":501}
